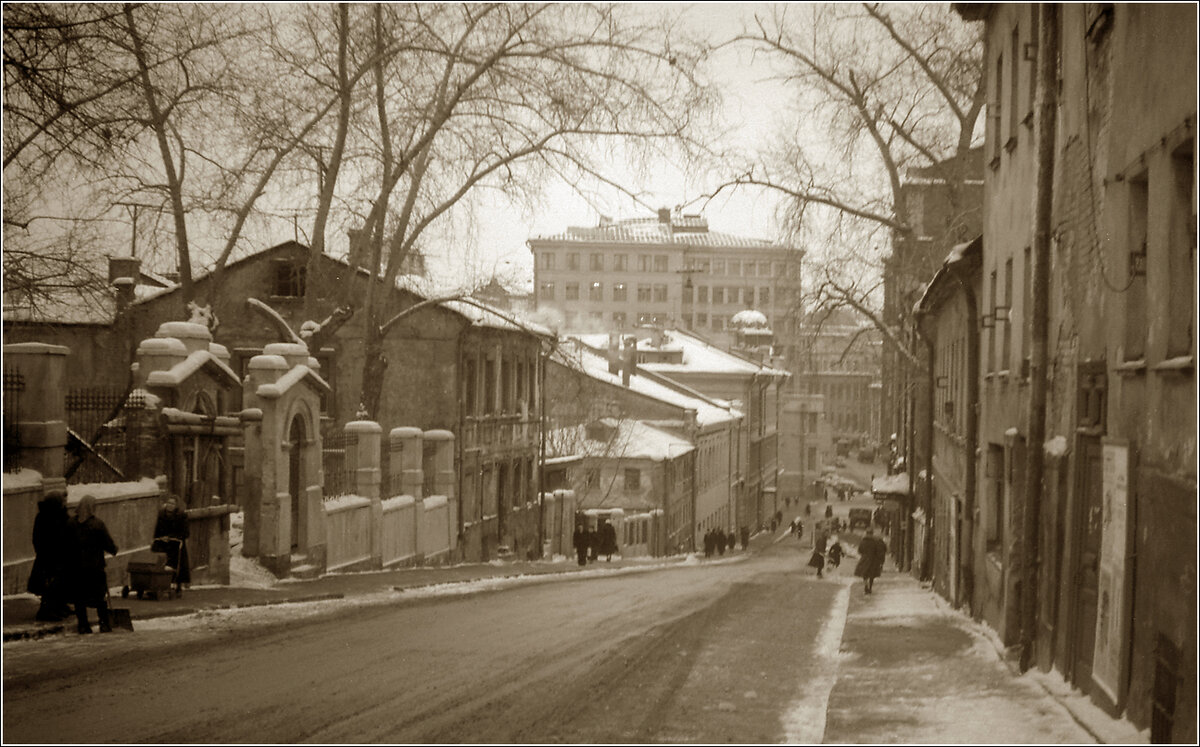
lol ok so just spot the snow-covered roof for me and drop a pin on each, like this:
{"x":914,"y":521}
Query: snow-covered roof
{"x":483,"y":314}
{"x":690,"y":230}
{"x":595,"y":366}
{"x":749,"y":318}
{"x":630,"y":439}
{"x":699,"y":356}
{"x":891,"y":484}
{"x":181,"y":371}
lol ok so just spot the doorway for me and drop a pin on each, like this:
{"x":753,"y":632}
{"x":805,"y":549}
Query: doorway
{"x":1085,"y":579}
{"x":296,"y":476}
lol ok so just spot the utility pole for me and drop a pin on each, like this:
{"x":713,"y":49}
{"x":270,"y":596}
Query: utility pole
{"x":1047,"y":98}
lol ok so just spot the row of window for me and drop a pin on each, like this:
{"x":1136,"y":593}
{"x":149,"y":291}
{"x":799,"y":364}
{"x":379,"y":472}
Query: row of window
{"x":657,"y":293}
{"x":599,"y":262}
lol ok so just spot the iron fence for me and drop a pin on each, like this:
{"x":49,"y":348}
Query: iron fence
{"x":14,"y":384}
{"x":103,"y":434}
{"x":339,"y":478}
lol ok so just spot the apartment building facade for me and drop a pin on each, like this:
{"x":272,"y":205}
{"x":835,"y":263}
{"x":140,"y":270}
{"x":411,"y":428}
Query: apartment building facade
{"x":669,"y":270}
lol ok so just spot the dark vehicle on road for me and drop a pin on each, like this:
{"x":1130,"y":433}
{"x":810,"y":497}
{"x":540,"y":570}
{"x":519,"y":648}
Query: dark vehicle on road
{"x":860,"y":517}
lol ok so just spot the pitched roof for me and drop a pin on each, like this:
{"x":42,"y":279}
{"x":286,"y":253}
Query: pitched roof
{"x":708,"y":411}
{"x":699,"y":355}
{"x":690,"y":230}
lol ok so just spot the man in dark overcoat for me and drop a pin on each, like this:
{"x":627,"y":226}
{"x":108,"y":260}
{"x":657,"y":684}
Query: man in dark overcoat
{"x":871,"y":553}
{"x":91,"y":541}
{"x":48,"y":578}
{"x":579,"y":542}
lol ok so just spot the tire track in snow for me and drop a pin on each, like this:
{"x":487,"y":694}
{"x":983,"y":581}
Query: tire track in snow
{"x":804,"y":720}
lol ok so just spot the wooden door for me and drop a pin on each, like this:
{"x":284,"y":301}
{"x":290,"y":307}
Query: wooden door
{"x":1085,"y":575}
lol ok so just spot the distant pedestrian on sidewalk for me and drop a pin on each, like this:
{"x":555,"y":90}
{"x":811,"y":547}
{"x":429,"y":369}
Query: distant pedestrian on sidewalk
{"x":608,"y":540}
{"x":48,"y":578}
{"x":817,"y":560}
{"x":91,"y":541}
{"x":871,"y":553}
{"x":580,"y":543}
{"x":170,"y":537}
{"x":720,"y":536}
{"x":835,"y":554}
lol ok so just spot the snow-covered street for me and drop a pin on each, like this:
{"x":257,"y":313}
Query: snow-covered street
{"x":752,"y":650}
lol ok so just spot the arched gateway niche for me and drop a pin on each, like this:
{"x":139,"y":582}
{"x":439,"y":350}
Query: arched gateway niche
{"x":284,"y":523}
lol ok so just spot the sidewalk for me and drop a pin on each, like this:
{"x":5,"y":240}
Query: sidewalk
{"x":913,"y":669}
{"x":20,"y":609}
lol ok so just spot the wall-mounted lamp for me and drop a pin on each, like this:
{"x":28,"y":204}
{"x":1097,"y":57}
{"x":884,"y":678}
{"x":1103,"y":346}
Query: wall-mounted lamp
{"x":1000,"y":313}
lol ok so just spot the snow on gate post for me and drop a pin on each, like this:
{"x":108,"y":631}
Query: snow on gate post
{"x":367,"y":477}
{"x":283,"y":473}
{"x":404,"y":458}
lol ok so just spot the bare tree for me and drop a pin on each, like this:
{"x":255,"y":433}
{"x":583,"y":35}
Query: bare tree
{"x":462,"y":99}
{"x":890,"y":89}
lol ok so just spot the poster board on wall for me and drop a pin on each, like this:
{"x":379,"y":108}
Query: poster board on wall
{"x":1112,"y":624}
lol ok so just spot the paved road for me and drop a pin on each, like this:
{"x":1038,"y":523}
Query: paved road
{"x":716,"y":652}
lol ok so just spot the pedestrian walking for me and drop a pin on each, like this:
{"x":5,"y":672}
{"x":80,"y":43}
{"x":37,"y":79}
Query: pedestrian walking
{"x":579,"y":542}
{"x":834,"y":554}
{"x":871,"y":553}
{"x":720,"y":537}
{"x":608,"y":540}
{"x":170,"y":537}
{"x":731,"y":541}
{"x":817,"y":560}
{"x":90,"y":582}
{"x":48,"y":578}
{"x":799,"y":528}
{"x":828,"y":511}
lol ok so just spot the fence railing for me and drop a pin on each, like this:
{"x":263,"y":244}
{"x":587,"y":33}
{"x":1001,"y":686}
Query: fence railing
{"x":14,"y":384}
{"x":104,"y":434}
{"x":339,"y":477}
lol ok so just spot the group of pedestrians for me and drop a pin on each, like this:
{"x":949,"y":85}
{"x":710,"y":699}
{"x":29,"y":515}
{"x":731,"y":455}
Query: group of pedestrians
{"x":591,"y":544}
{"x":871,"y":554}
{"x":716,"y":541}
{"x":69,"y":564}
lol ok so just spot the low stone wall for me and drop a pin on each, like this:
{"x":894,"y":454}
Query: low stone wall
{"x":348,"y":533}
{"x":399,"y":531}
{"x":434,"y":534}
{"x":128,"y":509}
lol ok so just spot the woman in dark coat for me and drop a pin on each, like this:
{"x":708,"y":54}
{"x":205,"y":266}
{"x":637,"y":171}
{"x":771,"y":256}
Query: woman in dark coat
{"x":608,"y":540}
{"x":170,"y":537}
{"x":92,"y":540}
{"x":871,"y":552}
{"x":48,"y":578}
{"x":818,"y":555}
{"x":580,"y":541}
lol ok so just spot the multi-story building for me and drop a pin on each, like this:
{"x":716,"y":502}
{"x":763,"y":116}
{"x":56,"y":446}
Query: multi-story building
{"x":838,"y":357}
{"x":691,"y":363}
{"x":584,"y":387}
{"x":805,"y":446}
{"x":941,"y":203}
{"x":670,"y":270}
{"x":1111,"y":539}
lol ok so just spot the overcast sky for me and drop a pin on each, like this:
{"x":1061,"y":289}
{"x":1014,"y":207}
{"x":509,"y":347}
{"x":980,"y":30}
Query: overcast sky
{"x":751,"y":105}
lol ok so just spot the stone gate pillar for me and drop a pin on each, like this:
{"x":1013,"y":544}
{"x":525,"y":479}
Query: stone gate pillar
{"x":41,"y":406}
{"x":442,"y":464}
{"x":367,"y":476}
{"x":405,"y":447}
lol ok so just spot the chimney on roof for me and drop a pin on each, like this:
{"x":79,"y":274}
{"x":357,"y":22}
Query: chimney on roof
{"x":123,"y":272}
{"x":629,"y":360}
{"x":614,"y":353}
{"x":664,"y":215}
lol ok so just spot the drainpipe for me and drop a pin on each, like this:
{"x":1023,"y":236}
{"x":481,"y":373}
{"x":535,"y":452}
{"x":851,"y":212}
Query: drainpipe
{"x":927,"y":443}
{"x":1043,"y":203}
{"x":967,"y":567}
{"x":541,"y":382}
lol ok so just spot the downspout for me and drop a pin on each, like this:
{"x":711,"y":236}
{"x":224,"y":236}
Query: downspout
{"x":458,"y":442}
{"x":1043,"y":204}
{"x":541,"y":489}
{"x":970,"y":491}
{"x":927,"y":445}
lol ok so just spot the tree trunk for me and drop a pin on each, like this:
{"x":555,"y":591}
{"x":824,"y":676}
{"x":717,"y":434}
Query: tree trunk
{"x":375,"y":364}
